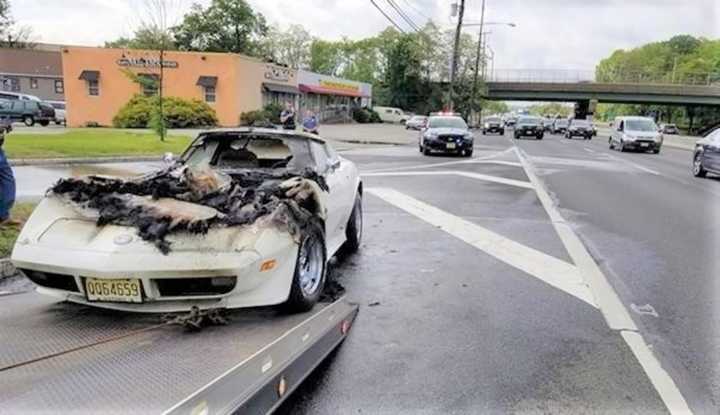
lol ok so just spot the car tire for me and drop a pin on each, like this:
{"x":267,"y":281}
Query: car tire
{"x":656,"y":151}
{"x":502,"y":132}
{"x":426,"y":151}
{"x":517,"y":137}
{"x":698,"y":170}
{"x":353,"y":230}
{"x":540,"y":137}
{"x":44,"y":123}
{"x":467,"y":153}
{"x":310,"y":270}
{"x":611,"y":144}
{"x":622,"y":147}
{"x":29,"y":120}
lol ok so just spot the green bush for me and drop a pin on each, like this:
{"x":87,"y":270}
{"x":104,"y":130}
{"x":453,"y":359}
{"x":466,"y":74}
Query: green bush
{"x":267,"y":116}
{"x":177,"y":113}
{"x":365,"y":115}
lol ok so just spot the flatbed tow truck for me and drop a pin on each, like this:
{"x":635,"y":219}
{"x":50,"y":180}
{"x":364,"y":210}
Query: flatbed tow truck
{"x":67,"y":358}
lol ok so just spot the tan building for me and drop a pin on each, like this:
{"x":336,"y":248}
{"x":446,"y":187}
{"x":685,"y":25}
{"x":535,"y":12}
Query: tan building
{"x":97,"y":84}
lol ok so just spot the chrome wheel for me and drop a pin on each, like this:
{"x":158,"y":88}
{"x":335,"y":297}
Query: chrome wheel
{"x":310,"y":263}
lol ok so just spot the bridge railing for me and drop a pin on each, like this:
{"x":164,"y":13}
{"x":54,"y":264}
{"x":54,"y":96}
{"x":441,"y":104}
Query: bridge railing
{"x":610,"y":77}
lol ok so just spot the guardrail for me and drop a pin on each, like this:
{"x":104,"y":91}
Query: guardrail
{"x":609,"y":77}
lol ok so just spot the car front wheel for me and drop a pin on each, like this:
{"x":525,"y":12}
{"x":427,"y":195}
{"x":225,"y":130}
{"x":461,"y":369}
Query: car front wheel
{"x":310,"y":270}
{"x":354,"y":228}
{"x":698,"y":170}
{"x":29,"y":120}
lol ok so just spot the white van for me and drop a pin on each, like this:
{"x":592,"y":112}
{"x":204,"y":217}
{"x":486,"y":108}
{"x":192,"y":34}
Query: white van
{"x":391,"y":114}
{"x":17,"y":95}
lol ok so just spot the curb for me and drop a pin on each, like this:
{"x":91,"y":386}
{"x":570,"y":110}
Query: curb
{"x":70,"y":161}
{"x":7,"y":269}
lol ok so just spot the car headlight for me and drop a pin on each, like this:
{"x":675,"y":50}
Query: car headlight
{"x":487,"y":125}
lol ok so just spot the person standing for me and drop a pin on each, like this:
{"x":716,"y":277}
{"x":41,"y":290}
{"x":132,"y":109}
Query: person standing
{"x":287,"y":117}
{"x":310,"y":123}
{"x":7,"y":185}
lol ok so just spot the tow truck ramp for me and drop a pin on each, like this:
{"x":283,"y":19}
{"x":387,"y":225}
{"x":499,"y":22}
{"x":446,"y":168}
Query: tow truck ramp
{"x":66,"y":358}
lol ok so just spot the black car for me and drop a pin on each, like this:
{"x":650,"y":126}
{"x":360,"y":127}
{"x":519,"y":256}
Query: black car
{"x":529,"y":127}
{"x":446,"y":134}
{"x":706,"y":158}
{"x":579,"y":128}
{"x":493,"y":125}
{"x":27,"y":111}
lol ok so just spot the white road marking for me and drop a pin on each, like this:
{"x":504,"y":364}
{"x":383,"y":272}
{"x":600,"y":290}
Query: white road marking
{"x":502,"y":162}
{"x":445,"y":163}
{"x":635,"y":165}
{"x":589,"y":150}
{"x":544,"y":267}
{"x":646,"y":309}
{"x":612,"y":308}
{"x":478,"y":176}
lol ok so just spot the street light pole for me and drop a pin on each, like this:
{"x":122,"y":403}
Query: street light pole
{"x":477,"y":56}
{"x":455,"y":57}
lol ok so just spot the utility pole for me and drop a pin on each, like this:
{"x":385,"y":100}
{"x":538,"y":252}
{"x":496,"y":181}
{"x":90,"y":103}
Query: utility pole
{"x":456,"y":55}
{"x":480,"y":50}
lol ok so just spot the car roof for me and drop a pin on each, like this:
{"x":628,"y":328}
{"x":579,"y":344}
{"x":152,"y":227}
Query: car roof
{"x":633,"y":117}
{"x":289,"y":134}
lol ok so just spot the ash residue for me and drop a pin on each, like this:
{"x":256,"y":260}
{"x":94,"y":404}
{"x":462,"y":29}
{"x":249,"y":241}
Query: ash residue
{"x":183,"y":199}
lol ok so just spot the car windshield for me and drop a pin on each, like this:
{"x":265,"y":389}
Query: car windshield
{"x":418,"y":118}
{"x":248,"y":151}
{"x":581,"y":123}
{"x":561,"y":123}
{"x":447,"y":122}
{"x":640,"y":125}
{"x":529,"y":121}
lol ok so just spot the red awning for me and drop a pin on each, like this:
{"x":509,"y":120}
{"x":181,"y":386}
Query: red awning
{"x":326,"y":91}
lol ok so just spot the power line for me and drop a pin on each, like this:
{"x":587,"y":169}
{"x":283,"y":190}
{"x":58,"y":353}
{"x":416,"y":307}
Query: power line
{"x":416,"y":10}
{"x":403,"y":15}
{"x":386,"y":16}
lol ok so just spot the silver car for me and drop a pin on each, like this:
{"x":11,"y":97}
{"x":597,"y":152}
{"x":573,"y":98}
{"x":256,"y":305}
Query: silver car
{"x":635,"y":133}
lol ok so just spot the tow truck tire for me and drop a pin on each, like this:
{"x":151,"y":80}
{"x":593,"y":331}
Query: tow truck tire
{"x":354,"y":229}
{"x":310,"y":271}
{"x":29,"y":120}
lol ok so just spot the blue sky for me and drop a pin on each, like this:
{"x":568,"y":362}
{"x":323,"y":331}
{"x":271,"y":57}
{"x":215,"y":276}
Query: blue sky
{"x":550,"y":34}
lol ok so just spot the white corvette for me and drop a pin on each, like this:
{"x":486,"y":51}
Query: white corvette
{"x":246,"y":217}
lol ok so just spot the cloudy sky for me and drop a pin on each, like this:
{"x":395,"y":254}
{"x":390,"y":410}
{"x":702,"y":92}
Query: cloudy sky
{"x":550,"y":34}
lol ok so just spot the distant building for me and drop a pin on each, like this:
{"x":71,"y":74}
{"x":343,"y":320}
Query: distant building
{"x":33,"y":72}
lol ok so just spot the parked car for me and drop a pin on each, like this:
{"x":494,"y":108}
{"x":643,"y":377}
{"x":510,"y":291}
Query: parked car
{"x":27,"y":111}
{"x":510,"y":122}
{"x":493,"y":125}
{"x":391,"y":114}
{"x":17,"y":95}
{"x":547,"y":123}
{"x":416,"y":122}
{"x":559,"y":126}
{"x":59,"y":107}
{"x":706,"y":157}
{"x":272,"y":206}
{"x":669,"y":129}
{"x":446,"y":134}
{"x":529,"y":127}
{"x":635,"y":133}
{"x":579,"y":128}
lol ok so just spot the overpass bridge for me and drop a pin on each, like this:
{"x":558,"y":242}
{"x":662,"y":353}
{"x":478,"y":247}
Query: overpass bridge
{"x":701,"y":89}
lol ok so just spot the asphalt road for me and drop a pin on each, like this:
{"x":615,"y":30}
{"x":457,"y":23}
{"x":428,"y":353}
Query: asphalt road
{"x":460,"y":309}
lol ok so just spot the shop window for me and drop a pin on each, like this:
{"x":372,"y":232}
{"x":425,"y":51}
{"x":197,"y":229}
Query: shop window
{"x":93,"y":87}
{"x":209,"y":93}
{"x":33,"y":83}
{"x":59,"y":86}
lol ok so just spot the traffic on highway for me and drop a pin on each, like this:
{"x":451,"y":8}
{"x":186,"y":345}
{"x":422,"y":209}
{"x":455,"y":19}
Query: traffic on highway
{"x":252,"y":207}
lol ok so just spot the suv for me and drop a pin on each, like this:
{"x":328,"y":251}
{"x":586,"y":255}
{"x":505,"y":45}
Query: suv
{"x":529,"y":126}
{"x":446,"y":134}
{"x":635,"y":133}
{"x":27,"y":111}
{"x":59,"y":107}
{"x":17,"y":95}
{"x":559,"y":126}
{"x":579,"y":128}
{"x":669,"y":129}
{"x":493,"y":125}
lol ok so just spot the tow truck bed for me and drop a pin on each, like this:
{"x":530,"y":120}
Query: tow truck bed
{"x":61,"y":357}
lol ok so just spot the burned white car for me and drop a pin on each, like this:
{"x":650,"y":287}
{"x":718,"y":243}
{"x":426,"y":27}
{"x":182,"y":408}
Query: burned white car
{"x":246,"y":217}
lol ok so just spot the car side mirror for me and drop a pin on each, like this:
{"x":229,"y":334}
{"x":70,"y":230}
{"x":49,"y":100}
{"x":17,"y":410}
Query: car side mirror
{"x":168,"y":158}
{"x":334,"y":164}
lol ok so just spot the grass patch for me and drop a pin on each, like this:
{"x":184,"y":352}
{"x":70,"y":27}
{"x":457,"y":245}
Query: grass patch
{"x":91,"y":143}
{"x":8,"y":234}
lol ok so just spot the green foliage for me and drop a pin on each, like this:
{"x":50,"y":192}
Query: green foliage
{"x":224,"y":26}
{"x":267,"y":116}
{"x":551,"y":109}
{"x":143,"y":112}
{"x":365,"y":115}
{"x":145,"y":37}
{"x":495,"y":107}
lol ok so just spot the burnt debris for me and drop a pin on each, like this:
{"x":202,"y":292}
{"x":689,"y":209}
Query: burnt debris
{"x":194,"y":200}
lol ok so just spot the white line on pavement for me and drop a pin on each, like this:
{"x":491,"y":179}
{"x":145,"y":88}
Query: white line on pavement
{"x":544,"y":267}
{"x":446,"y":163}
{"x":615,"y":313}
{"x":630,"y":163}
{"x":477,"y":176}
{"x":502,"y":162}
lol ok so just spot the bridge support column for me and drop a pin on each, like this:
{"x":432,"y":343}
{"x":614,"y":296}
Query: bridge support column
{"x":584,"y":109}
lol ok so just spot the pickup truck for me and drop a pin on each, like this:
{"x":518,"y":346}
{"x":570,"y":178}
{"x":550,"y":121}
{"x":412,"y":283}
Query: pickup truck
{"x":27,"y":111}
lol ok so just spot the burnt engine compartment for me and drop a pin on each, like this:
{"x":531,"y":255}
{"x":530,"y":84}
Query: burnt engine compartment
{"x":160,"y":204}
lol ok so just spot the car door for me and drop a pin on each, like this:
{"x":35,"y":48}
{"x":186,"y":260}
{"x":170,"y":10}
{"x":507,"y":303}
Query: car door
{"x":712,"y":152}
{"x":617,"y":131}
{"x":334,"y":228}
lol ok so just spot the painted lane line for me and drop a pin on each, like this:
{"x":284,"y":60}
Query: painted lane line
{"x":446,"y":163}
{"x":613,"y":310}
{"x":477,"y":176}
{"x":502,"y":162}
{"x":635,"y":165}
{"x":589,"y":150}
{"x":551,"y":270}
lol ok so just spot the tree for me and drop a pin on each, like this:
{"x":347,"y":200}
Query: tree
{"x":145,"y":38}
{"x":224,"y":26}
{"x":495,"y":107}
{"x":289,"y":47}
{"x":11,"y":35}
{"x":326,"y":57}
{"x":403,"y":75}
{"x":551,"y":109}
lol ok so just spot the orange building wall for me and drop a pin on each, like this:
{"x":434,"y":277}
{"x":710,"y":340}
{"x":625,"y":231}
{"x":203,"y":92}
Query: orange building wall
{"x":116,"y":88}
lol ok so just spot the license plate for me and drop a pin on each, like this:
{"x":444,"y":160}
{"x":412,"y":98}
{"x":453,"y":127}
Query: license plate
{"x":450,"y":146}
{"x":115,"y":290}
{"x":644,"y":144}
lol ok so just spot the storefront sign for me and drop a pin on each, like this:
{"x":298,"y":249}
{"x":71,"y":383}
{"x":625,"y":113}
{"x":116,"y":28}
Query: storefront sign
{"x":339,"y":86}
{"x":277,"y":73}
{"x":146,"y":63}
